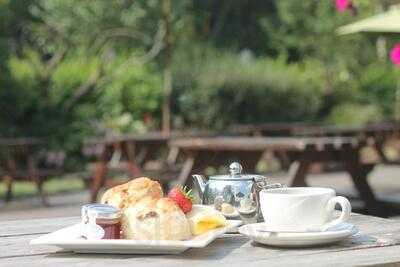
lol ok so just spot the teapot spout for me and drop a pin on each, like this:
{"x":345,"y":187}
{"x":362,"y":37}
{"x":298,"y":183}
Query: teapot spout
{"x":200,"y":184}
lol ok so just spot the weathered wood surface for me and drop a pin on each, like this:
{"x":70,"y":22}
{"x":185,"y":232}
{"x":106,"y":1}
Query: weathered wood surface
{"x":305,"y":129}
{"x":261,"y":143}
{"x":148,"y":137}
{"x":28,"y":141}
{"x":377,"y":244}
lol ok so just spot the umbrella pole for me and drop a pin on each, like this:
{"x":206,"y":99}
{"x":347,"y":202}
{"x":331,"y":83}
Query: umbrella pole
{"x":397,"y":102}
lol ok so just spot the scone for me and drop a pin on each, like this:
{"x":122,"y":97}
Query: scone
{"x":155,"y":219}
{"x":128,"y":194}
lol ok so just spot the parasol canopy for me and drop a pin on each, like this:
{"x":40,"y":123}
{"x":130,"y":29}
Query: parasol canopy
{"x":387,"y":22}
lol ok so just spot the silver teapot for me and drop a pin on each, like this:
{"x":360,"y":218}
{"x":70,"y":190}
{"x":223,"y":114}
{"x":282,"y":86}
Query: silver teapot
{"x":236,"y":195}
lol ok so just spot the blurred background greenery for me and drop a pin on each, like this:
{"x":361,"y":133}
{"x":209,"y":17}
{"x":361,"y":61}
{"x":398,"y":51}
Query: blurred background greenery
{"x":72,"y":69}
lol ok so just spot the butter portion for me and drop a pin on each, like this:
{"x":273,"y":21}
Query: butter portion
{"x":203,"y":219}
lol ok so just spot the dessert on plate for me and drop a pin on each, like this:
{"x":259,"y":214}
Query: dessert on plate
{"x":155,"y":219}
{"x":128,"y":194}
{"x":148,"y":215}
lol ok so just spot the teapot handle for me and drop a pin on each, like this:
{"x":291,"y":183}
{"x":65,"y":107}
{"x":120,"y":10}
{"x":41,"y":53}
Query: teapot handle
{"x":259,"y":184}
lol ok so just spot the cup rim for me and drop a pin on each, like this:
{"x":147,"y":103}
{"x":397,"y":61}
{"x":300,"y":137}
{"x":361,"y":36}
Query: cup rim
{"x":304,"y":191}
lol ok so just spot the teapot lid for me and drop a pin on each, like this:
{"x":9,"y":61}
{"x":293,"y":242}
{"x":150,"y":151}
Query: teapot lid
{"x":235,"y":170}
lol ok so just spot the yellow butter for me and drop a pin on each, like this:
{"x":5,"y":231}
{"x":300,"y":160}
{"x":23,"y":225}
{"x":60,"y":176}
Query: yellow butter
{"x":203,"y":219}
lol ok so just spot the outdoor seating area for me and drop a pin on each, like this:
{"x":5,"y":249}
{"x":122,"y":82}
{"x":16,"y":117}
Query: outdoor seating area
{"x":200,"y":132}
{"x":173,"y":158}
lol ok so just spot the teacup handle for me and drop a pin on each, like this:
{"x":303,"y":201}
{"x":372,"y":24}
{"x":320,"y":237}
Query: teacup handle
{"x":345,"y":214}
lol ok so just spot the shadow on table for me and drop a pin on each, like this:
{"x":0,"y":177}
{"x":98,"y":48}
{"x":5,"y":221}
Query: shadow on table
{"x":223,"y":247}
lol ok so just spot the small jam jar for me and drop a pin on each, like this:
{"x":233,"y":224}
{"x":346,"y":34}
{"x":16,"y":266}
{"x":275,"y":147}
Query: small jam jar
{"x":101,"y":221}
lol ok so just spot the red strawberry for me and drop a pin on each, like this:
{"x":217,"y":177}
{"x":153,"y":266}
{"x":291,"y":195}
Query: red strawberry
{"x":182,"y":197}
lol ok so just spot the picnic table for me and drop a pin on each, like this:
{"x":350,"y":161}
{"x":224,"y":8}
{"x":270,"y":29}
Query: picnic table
{"x":307,"y":129}
{"x":126,"y":152}
{"x":20,"y":162}
{"x":201,"y":153}
{"x":377,"y":134}
{"x":377,"y":244}
{"x":130,"y":153}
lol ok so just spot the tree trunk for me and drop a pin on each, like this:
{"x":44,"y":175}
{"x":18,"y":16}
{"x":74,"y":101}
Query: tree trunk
{"x":167,"y":83}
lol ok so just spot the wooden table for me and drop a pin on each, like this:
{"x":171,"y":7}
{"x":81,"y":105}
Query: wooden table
{"x":376,"y":133}
{"x":200,"y":153}
{"x":270,"y":129}
{"x":130,"y":152}
{"x":19,"y":162}
{"x":378,"y":244}
{"x":127,"y":152}
{"x":307,"y":129}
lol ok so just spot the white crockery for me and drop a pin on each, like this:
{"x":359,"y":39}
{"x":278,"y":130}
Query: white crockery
{"x":70,"y":239}
{"x":302,"y":209}
{"x":260,"y":233}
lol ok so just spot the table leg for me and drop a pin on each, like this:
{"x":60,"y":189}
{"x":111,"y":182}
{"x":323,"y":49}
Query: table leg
{"x":142,"y":156}
{"x":283,"y":159}
{"x":39,"y":185}
{"x":359,"y":175}
{"x":186,"y":170}
{"x":36,"y":178}
{"x":98,"y":179}
{"x":298,"y":172}
{"x":379,"y":146}
{"x":130,"y":151}
{"x":172,"y":155}
{"x":9,"y":177}
{"x":8,"y":180}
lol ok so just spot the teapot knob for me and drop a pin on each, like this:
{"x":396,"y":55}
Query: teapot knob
{"x":235,"y":168}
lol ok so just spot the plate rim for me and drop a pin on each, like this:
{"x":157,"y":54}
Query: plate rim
{"x":203,"y":241}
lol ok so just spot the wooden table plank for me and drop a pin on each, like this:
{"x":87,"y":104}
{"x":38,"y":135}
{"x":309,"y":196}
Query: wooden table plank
{"x":381,"y":256}
{"x":260,"y":143}
{"x":36,"y":226}
{"x":379,"y":242}
{"x":21,"y":141}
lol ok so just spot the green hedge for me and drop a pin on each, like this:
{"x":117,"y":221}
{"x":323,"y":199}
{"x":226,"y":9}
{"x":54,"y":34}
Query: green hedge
{"x":230,"y":89}
{"x":34,"y":107}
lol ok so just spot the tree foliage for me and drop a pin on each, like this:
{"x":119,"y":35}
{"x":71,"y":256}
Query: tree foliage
{"x":72,"y":68}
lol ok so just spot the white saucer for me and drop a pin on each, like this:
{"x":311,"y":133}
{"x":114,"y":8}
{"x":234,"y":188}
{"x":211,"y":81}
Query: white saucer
{"x":297,"y":239}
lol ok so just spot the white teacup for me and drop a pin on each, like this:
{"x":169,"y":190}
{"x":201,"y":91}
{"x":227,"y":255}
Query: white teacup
{"x":302,"y":209}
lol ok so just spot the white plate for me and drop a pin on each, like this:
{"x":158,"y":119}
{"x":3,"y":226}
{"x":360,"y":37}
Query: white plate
{"x":69,"y":239}
{"x":307,"y":239}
